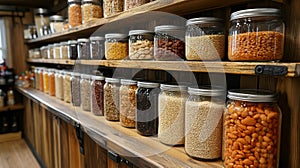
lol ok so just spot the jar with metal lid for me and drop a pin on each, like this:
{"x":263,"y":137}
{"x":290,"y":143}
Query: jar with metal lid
{"x":56,"y":23}
{"x":97,"y":47}
{"x":252,"y":122}
{"x":147,"y":108}
{"x":41,"y":19}
{"x":116,"y":46}
{"x":46,"y":81}
{"x":111,"y":99}
{"x":128,"y":103}
{"x":169,"y":43}
{"x":74,"y":13}
{"x":141,"y":44}
{"x":37,"y":78}
{"x":128,"y":4}
{"x":59,"y":86}
{"x":203,"y":122}
{"x":85,"y":92}
{"x":56,"y":50}
{"x":91,"y":9}
{"x":171,"y":106}
{"x":44,"y":52}
{"x":256,"y":35}
{"x":72,"y":50}
{"x":67,"y":86}
{"x":64,"y":50}
{"x":75,"y":89}
{"x":41,"y":77}
{"x":97,"y":95}
{"x":83,"y":48}
{"x":51,"y":78}
{"x":50,"y":51}
{"x":205,"y":39}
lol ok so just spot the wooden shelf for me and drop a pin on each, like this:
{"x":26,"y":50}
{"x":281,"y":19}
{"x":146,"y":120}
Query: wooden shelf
{"x":124,"y":141}
{"x":12,"y":107}
{"x":10,"y":136}
{"x":52,"y":61}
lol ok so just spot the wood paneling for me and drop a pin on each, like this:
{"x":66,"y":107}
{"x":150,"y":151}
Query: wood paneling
{"x":75,"y":160}
{"x":64,"y":142}
{"x":28,"y":121}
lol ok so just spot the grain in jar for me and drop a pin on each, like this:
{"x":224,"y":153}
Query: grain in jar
{"x":85,"y":92}
{"x":141,"y":44}
{"x":205,"y":39}
{"x":97,"y":95}
{"x":116,"y":46}
{"x":97,"y":50}
{"x":128,"y":103}
{"x":203,"y":122}
{"x":128,"y":4}
{"x":37,"y":78}
{"x":252,"y":122}
{"x":83,"y":48}
{"x":41,"y":77}
{"x":171,"y":106}
{"x":50,"y":51}
{"x":56,"y":23}
{"x":256,"y":35}
{"x":111,"y":99}
{"x":36,"y":53}
{"x":67,"y":86}
{"x":59,"y":85}
{"x":74,"y":13}
{"x":46,"y":81}
{"x":107,"y":8}
{"x":91,"y":9}
{"x":147,"y":108}
{"x":56,"y":51}
{"x":64,"y":50}
{"x":72,"y":50}
{"x":44,"y":52}
{"x":51,"y":78}
{"x":75,"y":89}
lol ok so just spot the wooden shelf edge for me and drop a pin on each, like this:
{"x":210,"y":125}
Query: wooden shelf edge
{"x":12,"y":107}
{"x":12,"y":136}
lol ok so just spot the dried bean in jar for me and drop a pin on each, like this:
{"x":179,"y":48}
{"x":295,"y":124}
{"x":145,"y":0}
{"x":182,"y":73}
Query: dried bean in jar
{"x":85,"y":92}
{"x":111,"y":99}
{"x":97,"y":95}
{"x":75,"y":89}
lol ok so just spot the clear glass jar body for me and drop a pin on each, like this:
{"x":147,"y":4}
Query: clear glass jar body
{"x":90,"y":10}
{"x":128,"y":103}
{"x":59,"y":85}
{"x":56,"y":24}
{"x":64,"y":50}
{"x":56,"y":51}
{"x":36,"y":53}
{"x":37,"y":78}
{"x":41,"y":87}
{"x":171,"y":106}
{"x":107,"y":8}
{"x":67,"y":87}
{"x":128,"y":4}
{"x":74,"y":13}
{"x":51,"y":78}
{"x":41,"y":20}
{"x":75,"y":89}
{"x":116,"y":48}
{"x":97,"y":95}
{"x":46,"y":81}
{"x":50,"y":51}
{"x":111,"y":100}
{"x":72,"y":50}
{"x":44,"y":52}
{"x":169,"y":43}
{"x":147,"y":109}
{"x":83,"y":49}
{"x":254,"y":127}
{"x":112,"y":7}
{"x":257,"y":38}
{"x":141,"y":45}
{"x":97,"y":50}
{"x":205,"y":39}
{"x":85,"y":93}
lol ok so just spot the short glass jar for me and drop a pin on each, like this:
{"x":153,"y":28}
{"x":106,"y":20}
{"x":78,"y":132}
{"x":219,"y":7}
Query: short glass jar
{"x":141,"y":44}
{"x":36,"y":53}
{"x":64,"y":50}
{"x":59,"y":85}
{"x":256,"y":35}
{"x":91,"y":9}
{"x":169,"y":43}
{"x":128,"y":103}
{"x":56,"y":23}
{"x":97,"y":95}
{"x":41,"y":76}
{"x":75,"y":89}
{"x":46,"y":81}
{"x":85,"y":92}
{"x":128,"y":4}
{"x":56,"y":50}
{"x":116,"y":46}
{"x":83,"y":48}
{"x":203,"y":122}
{"x":67,"y":86}
{"x":72,"y":50}
{"x":111,"y":99}
{"x":252,"y":122}
{"x":74,"y":13}
{"x":147,"y":108}
{"x":205,"y":39}
{"x":97,"y":47}
{"x":51,"y":78}
{"x":50,"y":51}
{"x":44,"y":52}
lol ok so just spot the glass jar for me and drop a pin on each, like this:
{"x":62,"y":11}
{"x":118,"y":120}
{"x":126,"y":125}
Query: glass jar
{"x":203,"y":122}
{"x":169,"y":43}
{"x":205,"y":39}
{"x":116,"y":46}
{"x":44,"y":52}
{"x":67,"y":86}
{"x":97,"y":95}
{"x":51,"y":76}
{"x":41,"y":20}
{"x":85,"y":92}
{"x":141,"y":45}
{"x":37,"y":78}
{"x":56,"y":23}
{"x":33,"y":32}
{"x":111,"y":99}
{"x":252,"y":122}
{"x":256,"y":35}
{"x":171,"y":106}
{"x":41,"y":76}
{"x":56,"y":51}
{"x":91,"y":9}
{"x":46,"y":81}
{"x":128,"y":103}
{"x":83,"y":48}
{"x":107,"y":8}
{"x":50,"y":51}
{"x":64,"y":50}
{"x":74,"y":13}
{"x":36,"y":53}
{"x":97,"y":47}
{"x":59,"y":85}
{"x":72,"y":49}
{"x":75,"y":89}
{"x":117,"y":6}
{"x":147,"y":110}
{"x":128,"y":4}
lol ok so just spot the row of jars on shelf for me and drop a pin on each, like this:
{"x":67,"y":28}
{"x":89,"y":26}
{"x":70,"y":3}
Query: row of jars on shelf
{"x":179,"y":115}
{"x":204,"y":40}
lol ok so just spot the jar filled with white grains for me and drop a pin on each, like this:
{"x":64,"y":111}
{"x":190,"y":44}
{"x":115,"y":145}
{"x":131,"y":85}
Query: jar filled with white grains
{"x":67,"y":86}
{"x":59,"y":85}
{"x":85,"y":92}
{"x":56,"y":50}
{"x":56,"y":23}
{"x":111,"y":99}
{"x":64,"y":50}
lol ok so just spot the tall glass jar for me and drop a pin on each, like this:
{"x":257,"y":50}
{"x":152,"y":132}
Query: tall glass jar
{"x":205,"y":39}
{"x":116,"y":46}
{"x":91,"y":9}
{"x":85,"y":92}
{"x":72,"y":50}
{"x":59,"y":86}
{"x":111,"y":99}
{"x":203,"y":122}
{"x":50,"y":51}
{"x":169,"y":43}
{"x":97,"y":95}
{"x":41,"y":19}
{"x":171,"y":106}
{"x":107,"y":8}
{"x":252,"y":127}
{"x":44,"y":52}
{"x":128,"y":103}
{"x":51,"y":78}
{"x":37,"y":78}
{"x":56,"y":50}
{"x":83,"y":48}
{"x":128,"y":4}
{"x":97,"y":47}
{"x":46,"y":81}
{"x":256,"y":35}
{"x":141,"y":44}
{"x":67,"y":86}
{"x":147,"y":108}
{"x":75,"y":89}
{"x":74,"y":13}
{"x":64,"y":50}
{"x":41,"y":72}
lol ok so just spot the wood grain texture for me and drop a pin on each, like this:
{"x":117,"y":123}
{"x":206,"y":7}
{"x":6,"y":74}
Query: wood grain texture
{"x":64,"y":142}
{"x":28,"y":121}
{"x":10,"y":136}
{"x":37,"y":127}
{"x":12,"y":108}
{"x":74,"y":153}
